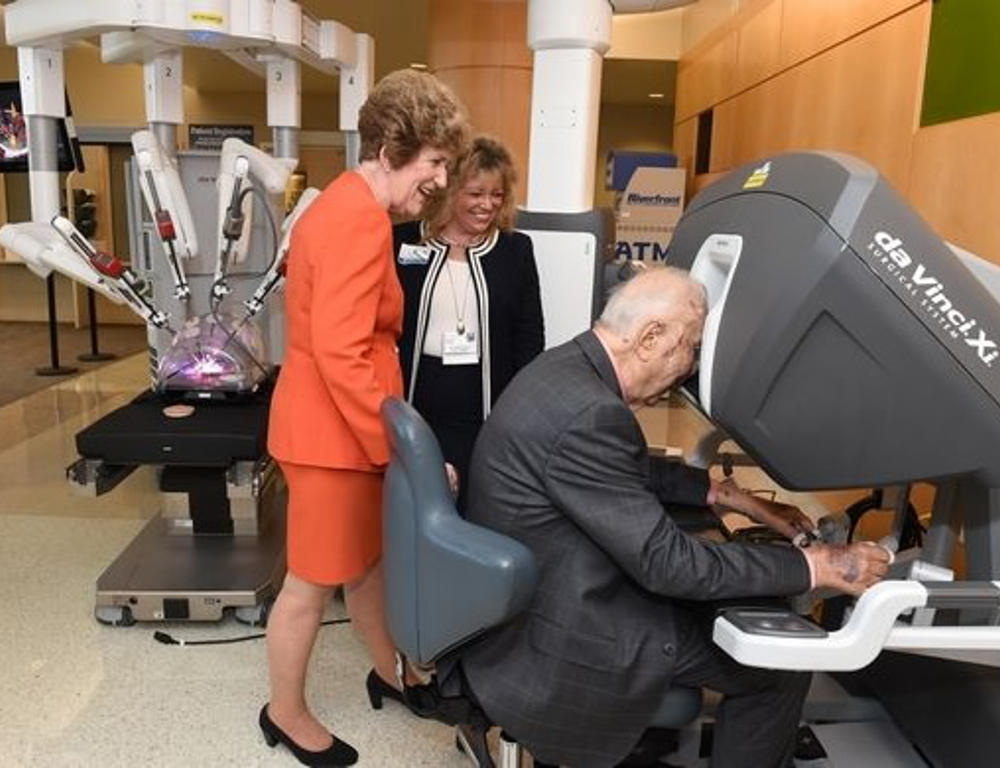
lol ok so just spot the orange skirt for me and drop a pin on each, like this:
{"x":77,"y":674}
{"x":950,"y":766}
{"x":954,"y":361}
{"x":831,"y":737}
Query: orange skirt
{"x":334,"y":522}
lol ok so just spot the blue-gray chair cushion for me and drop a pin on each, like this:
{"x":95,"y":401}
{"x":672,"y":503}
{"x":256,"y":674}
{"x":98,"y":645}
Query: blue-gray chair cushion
{"x":446,"y":580}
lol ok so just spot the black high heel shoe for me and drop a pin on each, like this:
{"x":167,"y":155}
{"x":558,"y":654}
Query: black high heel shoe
{"x":379,"y":689}
{"x":338,"y":754}
{"x":421,"y":700}
{"x":425,"y":701}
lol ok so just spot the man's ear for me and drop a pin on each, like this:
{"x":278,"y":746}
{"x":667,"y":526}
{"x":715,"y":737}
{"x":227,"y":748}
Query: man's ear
{"x":657,"y":335}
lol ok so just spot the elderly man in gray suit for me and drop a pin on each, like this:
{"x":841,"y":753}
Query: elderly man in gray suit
{"x":562,"y":466}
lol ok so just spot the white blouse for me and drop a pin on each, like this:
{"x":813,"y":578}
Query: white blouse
{"x":453,"y":306}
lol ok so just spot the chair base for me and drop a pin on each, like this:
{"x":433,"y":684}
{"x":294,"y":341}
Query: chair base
{"x":510,"y":752}
{"x":471,"y":741}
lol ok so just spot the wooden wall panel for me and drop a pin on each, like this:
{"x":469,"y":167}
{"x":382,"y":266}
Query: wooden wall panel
{"x":707,"y":77}
{"x":759,"y":53}
{"x":684,"y":144}
{"x":862,"y":97}
{"x":726,"y":129}
{"x":756,"y":127}
{"x":463,"y":34}
{"x":819,"y":104}
{"x":701,"y":21}
{"x":805,"y":29}
{"x":499,"y":103}
{"x":480,"y":49}
{"x":810,"y":26}
{"x":955,"y":185}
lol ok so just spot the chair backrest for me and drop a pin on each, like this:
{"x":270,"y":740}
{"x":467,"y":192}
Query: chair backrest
{"x":446,"y":579}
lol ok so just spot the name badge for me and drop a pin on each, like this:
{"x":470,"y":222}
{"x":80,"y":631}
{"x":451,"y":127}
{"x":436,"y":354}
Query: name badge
{"x":459,"y":348}
{"x":413,"y":254}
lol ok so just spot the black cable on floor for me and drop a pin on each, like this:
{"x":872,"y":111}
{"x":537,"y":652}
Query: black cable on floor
{"x":166,"y":639}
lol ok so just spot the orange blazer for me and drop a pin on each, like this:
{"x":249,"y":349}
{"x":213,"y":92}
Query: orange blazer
{"x":344,"y":311}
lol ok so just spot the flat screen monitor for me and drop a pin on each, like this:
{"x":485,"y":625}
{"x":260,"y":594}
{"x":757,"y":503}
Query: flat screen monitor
{"x":14,"y":134}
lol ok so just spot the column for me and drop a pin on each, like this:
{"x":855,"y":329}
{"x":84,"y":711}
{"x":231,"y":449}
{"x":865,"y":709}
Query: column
{"x":479,"y":48}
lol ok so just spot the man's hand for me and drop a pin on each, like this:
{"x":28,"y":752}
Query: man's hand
{"x":850,"y":568}
{"x":452,"y":474}
{"x":786,"y":519}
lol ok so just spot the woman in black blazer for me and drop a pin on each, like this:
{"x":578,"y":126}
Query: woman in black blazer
{"x":473,"y":310}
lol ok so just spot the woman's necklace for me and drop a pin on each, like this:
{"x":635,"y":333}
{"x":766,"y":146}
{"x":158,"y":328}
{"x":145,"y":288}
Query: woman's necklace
{"x":462,"y":243}
{"x":459,"y":313}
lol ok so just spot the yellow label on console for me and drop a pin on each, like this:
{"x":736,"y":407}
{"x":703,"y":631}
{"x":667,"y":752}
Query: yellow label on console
{"x":759,"y":177}
{"x":207,"y":17}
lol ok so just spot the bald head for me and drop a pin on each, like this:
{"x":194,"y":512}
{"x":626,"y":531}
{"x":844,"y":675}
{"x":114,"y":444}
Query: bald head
{"x":651,"y":328}
{"x":663,"y":293}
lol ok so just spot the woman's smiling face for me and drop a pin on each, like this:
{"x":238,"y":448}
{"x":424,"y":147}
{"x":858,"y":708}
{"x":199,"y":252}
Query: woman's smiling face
{"x":478,"y":203}
{"x":410,"y":185}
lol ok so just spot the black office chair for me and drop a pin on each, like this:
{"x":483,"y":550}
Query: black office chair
{"x":448,"y":580}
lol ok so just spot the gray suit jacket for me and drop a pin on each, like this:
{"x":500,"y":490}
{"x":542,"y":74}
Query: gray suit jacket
{"x":561,"y":465}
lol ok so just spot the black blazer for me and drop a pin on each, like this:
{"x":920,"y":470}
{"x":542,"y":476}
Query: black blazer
{"x":562,"y":466}
{"x":508,"y":300}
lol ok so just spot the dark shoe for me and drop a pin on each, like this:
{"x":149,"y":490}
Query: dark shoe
{"x":379,"y":689}
{"x":340,"y":753}
{"x":807,"y":746}
{"x":426,"y":701}
{"x":421,"y":700}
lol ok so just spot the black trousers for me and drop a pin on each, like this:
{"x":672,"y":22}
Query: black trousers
{"x":449,"y":397}
{"x":758,"y":717}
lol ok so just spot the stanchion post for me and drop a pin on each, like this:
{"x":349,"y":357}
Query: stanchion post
{"x":53,"y":369}
{"x":95,"y":355}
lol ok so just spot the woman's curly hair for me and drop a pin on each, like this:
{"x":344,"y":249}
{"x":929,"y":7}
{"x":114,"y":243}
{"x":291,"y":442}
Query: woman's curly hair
{"x":407,"y":111}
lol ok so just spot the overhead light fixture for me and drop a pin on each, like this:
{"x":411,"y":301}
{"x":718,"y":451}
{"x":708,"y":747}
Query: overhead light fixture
{"x":647,"y":6}
{"x":656,"y":95}
{"x":418,"y":66}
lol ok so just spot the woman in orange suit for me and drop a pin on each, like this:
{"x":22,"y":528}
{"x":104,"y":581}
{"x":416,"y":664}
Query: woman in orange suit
{"x":344,"y":309}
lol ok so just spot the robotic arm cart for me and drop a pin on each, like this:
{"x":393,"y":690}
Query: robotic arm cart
{"x":238,"y":562}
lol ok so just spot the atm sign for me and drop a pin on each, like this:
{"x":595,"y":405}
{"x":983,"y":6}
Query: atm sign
{"x":639,"y":249}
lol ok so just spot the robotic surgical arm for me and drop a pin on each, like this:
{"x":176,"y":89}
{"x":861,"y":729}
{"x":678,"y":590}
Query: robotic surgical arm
{"x":167,"y":204}
{"x":275,"y":274}
{"x":112,"y":271}
{"x":60,"y":247}
{"x":239,"y":160}
{"x":44,"y":251}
